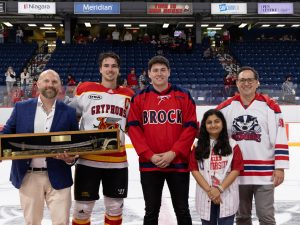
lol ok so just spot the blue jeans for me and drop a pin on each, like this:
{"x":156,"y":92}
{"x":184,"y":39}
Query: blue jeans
{"x":214,"y":217}
{"x":178,"y":183}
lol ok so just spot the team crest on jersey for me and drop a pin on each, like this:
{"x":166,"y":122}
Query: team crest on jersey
{"x":246,"y":127}
{"x":163,"y":98}
{"x":281,"y":123}
{"x":107,"y":123}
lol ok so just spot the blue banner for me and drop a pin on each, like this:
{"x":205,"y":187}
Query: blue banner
{"x":96,"y":7}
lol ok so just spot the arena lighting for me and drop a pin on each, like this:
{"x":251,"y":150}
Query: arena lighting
{"x":87,"y":24}
{"x":8,"y":24}
{"x":265,"y":25}
{"x":32,"y":25}
{"x":143,"y":25}
{"x":48,"y":25}
{"x":204,"y":25}
{"x":189,"y":25}
{"x":220,"y":25}
{"x":214,"y":28}
{"x":111,"y":25}
{"x":127,"y":25}
{"x":61,"y":25}
{"x":47,"y":28}
{"x":166,"y":25}
{"x":242,"y":25}
{"x":295,"y":25}
{"x":280,"y":25}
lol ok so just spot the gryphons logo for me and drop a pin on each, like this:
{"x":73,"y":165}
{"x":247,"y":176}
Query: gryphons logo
{"x":107,"y":123}
{"x":246,"y":127}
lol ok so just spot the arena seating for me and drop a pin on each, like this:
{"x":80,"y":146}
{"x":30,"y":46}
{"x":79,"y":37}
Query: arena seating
{"x":15,"y":55}
{"x":273,"y":60}
{"x":190,"y":70}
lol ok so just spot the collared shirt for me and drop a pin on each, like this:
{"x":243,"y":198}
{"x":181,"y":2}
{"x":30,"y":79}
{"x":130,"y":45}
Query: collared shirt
{"x":42,"y":124}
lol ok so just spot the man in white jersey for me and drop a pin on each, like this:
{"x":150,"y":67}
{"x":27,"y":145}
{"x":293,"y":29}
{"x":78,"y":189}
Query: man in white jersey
{"x":102,"y":105}
{"x":255,"y":121}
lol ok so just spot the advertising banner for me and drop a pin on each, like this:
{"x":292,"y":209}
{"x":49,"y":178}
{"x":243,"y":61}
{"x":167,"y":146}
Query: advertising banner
{"x":36,"y":7}
{"x":96,"y":7}
{"x":275,"y":8}
{"x":228,"y":8}
{"x":163,"y":8}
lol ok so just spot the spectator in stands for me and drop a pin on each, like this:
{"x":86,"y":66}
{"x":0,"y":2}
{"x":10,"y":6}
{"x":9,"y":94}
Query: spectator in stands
{"x":206,"y":42}
{"x":34,"y":89}
{"x":226,"y":40}
{"x":146,"y":38}
{"x":143,"y":80}
{"x":5,"y":35}
{"x":10,"y":79}
{"x":71,"y":84}
{"x":162,"y":127}
{"x":218,"y":42}
{"x":127,"y":37}
{"x":45,"y":47}
{"x":216,"y":163}
{"x":153,"y":40}
{"x":115,"y":35}
{"x":189,"y":45}
{"x":19,"y":35}
{"x":132,"y":79}
{"x":17,"y":94}
{"x":81,"y":39}
{"x":25,"y":78}
{"x":288,"y":90}
{"x":256,"y":123}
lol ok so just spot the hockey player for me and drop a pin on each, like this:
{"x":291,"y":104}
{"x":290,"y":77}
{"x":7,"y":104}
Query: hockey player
{"x":255,"y":121}
{"x":102,"y":106}
{"x":162,"y":127}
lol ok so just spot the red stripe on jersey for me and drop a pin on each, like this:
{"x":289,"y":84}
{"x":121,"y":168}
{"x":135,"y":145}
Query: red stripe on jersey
{"x":282,"y":146}
{"x":282,"y":158}
{"x":260,"y":174}
{"x":227,"y":102}
{"x":259,"y":162}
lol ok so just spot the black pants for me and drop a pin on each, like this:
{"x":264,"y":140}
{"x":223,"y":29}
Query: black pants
{"x":178,"y":183}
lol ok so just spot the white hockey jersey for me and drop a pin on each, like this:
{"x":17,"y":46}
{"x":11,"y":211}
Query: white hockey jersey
{"x":103,"y":108}
{"x":260,"y":132}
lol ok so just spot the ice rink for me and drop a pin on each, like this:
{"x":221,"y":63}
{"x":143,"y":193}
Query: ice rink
{"x":287,"y":198}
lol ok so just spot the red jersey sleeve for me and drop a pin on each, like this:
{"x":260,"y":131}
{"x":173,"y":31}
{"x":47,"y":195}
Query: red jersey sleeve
{"x":193,"y":163}
{"x":237,"y":161}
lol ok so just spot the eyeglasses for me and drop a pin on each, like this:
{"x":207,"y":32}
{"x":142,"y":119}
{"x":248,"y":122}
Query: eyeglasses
{"x":249,"y":80}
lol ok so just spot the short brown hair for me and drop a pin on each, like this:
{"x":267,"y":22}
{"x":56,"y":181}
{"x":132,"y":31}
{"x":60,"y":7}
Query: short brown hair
{"x":158,"y":60}
{"x":256,"y":76}
{"x":109,"y":55}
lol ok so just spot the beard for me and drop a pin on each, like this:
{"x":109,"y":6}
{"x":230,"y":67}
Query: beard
{"x":49,"y":93}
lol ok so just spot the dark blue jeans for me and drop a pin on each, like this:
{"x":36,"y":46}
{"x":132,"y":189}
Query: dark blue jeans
{"x":178,"y":183}
{"x":214,"y":217}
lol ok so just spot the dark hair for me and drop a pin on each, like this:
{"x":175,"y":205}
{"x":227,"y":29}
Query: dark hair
{"x":222,"y":146}
{"x":256,"y":76}
{"x":158,"y":60}
{"x":109,"y":55}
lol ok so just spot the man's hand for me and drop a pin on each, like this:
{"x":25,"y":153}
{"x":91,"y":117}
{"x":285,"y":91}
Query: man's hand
{"x":67,"y":158}
{"x":278,"y":177}
{"x":165,"y":159}
{"x":155,"y":159}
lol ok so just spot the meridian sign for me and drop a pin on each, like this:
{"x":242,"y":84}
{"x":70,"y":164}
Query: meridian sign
{"x":96,"y":7}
